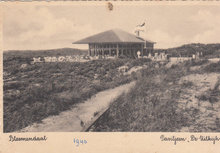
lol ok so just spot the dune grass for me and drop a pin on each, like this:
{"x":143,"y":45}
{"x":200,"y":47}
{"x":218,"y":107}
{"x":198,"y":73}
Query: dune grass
{"x":43,"y":89}
{"x":150,"y":106}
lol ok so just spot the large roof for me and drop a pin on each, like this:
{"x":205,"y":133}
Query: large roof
{"x":112,"y":36}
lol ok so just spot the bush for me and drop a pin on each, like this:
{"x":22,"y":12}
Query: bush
{"x":211,"y":95}
{"x":213,"y":67}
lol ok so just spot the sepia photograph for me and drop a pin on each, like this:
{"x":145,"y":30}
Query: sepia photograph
{"x":111,"y":68}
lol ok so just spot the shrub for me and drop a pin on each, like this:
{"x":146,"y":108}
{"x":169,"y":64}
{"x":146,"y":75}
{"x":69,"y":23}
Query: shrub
{"x":211,"y":95}
{"x":213,"y":67}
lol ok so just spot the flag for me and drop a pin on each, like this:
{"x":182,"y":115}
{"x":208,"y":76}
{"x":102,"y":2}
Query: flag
{"x":141,"y":25}
{"x":140,"y":28}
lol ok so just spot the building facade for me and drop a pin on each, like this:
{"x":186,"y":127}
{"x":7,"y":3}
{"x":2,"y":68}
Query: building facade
{"x":117,"y":43}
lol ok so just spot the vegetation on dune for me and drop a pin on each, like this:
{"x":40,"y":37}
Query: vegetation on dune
{"x":213,"y":67}
{"x":36,"y":91}
{"x":49,"y":52}
{"x":196,"y":62}
{"x":42,"y":89}
{"x":208,"y":50}
{"x":16,"y":57}
{"x":211,"y":95}
{"x":150,"y":106}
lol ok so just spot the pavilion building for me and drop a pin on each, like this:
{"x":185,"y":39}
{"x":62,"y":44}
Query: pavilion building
{"x":117,"y":43}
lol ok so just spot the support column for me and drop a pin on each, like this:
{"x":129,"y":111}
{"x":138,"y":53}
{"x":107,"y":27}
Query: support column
{"x":109,"y":51}
{"x":117,"y":51}
{"x":142,"y":51}
{"x":134,"y":52}
{"x":94,"y":50}
{"x":89,"y":50}
{"x":102,"y":51}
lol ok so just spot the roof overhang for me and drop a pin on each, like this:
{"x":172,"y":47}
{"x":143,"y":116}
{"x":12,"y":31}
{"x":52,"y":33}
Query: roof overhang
{"x":112,"y":36}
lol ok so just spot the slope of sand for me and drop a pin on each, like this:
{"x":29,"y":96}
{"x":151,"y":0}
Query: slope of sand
{"x":205,"y":114}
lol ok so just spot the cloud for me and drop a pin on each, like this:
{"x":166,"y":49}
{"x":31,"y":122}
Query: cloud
{"x":41,"y":27}
{"x":212,"y":22}
{"x":164,"y":39}
{"x":201,"y":27}
{"x":37,"y":27}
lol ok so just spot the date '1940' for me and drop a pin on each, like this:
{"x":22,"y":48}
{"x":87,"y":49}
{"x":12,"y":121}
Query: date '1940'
{"x":79,"y":141}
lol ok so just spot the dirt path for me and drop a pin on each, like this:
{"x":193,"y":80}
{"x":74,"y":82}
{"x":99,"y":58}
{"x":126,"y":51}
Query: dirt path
{"x":205,"y":114}
{"x":81,"y":114}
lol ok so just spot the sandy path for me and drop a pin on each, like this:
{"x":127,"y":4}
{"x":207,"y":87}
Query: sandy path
{"x":81,"y":114}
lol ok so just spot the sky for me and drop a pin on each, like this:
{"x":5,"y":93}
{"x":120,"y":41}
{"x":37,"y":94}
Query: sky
{"x":39,"y":26}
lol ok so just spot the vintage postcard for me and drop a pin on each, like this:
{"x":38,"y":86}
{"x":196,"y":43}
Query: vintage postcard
{"x":110,"y":76}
